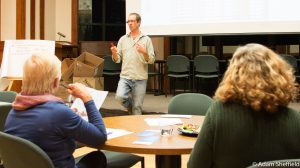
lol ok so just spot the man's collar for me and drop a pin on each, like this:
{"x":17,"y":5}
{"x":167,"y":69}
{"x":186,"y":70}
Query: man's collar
{"x":141,"y":34}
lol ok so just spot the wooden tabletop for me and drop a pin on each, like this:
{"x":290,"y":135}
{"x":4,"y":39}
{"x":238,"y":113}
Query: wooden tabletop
{"x":176,"y":144}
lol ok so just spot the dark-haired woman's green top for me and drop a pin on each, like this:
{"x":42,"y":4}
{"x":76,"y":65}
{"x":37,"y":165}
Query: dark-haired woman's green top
{"x":235,"y":136}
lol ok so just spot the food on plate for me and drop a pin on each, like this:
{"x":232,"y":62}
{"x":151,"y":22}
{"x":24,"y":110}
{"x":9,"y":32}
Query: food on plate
{"x":191,"y":128}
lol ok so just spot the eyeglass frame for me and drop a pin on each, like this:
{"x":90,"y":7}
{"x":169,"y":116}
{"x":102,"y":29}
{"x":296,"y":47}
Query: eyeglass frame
{"x":128,"y":21}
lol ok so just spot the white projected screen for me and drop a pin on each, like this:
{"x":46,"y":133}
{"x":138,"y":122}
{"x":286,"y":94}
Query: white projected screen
{"x":183,"y":17}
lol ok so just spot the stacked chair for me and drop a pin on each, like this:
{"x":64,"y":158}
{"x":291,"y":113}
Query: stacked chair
{"x":294,"y":63}
{"x":110,"y":67}
{"x":178,"y":68}
{"x":206,"y":69}
{"x":111,"y":70}
{"x":153,"y":73}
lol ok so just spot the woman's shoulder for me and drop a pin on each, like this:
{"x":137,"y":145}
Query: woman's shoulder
{"x":234,"y":108}
{"x":57,"y":107}
{"x":220,"y":105}
{"x":220,"y":109}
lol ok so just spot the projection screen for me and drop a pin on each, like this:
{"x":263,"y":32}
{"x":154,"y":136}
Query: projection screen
{"x":201,"y":17}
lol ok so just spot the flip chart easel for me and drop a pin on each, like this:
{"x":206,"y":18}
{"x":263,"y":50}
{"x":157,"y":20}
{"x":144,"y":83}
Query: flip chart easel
{"x":15,"y":84}
{"x":16,"y":52}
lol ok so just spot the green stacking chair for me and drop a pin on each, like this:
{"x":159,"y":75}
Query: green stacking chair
{"x":111,"y":68}
{"x":122,"y":160}
{"x":4,"y":110}
{"x":7,"y":96}
{"x":206,"y":67}
{"x":111,"y":72}
{"x":178,"y":68}
{"x":294,"y":63}
{"x":189,"y":103}
{"x":153,"y":73}
{"x":17,"y":152}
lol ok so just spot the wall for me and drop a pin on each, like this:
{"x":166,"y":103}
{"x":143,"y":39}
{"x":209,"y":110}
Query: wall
{"x":37,"y":19}
{"x":57,"y":19}
{"x":63,"y":19}
{"x":8,"y":19}
{"x":50,"y":23}
{"x":294,"y":49}
{"x":27,"y":25}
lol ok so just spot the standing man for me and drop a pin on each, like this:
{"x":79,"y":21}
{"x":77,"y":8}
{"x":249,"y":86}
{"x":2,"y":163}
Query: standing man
{"x":135,"y":50}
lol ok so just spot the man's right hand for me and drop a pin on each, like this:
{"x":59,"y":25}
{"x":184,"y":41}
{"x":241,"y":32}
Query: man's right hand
{"x":114,"y":51}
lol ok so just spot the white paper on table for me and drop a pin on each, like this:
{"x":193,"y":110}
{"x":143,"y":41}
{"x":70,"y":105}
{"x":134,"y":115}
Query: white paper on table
{"x":113,"y":133}
{"x":97,"y":95}
{"x":148,"y":140}
{"x":163,"y":121}
{"x":175,"y":116}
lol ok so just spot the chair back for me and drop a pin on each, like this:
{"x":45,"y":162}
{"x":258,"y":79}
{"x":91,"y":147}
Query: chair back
{"x":275,"y":163}
{"x":152,"y":71}
{"x":110,"y":65}
{"x":178,"y":64}
{"x":291,"y":60}
{"x":21,"y":153}
{"x":4,"y":110}
{"x":7,"y":96}
{"x":206,"y":64}
{"x":189,"y":103}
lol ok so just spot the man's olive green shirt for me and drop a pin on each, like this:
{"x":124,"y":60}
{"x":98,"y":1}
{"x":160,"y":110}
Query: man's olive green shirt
{"x":134,"y":66}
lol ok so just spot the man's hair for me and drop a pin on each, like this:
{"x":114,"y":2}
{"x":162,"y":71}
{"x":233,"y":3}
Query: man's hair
{"x":259,"y":78}
{"x":137,"y":17}
{"x":39,"y":73}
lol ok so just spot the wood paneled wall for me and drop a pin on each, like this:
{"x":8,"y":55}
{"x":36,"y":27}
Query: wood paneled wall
{"x":21,"y":19}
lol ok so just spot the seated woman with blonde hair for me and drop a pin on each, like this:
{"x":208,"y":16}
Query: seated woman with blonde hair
{"x":250,"y":121}
{"x":45,"y":120}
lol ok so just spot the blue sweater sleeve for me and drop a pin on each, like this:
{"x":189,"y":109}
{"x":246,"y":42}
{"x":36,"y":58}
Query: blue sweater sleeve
{"x":92,"y":133}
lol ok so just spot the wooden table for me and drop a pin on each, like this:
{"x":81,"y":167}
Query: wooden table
{"x":168,"y":149}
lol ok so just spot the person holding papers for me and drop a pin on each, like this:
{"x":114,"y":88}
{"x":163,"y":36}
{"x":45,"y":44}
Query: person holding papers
{"x":45,"y":120}
{"x":250,"y":121}
{"x":135,"y":51}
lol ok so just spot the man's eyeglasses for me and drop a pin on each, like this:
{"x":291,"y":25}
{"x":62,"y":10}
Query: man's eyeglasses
{"x":128,"y":21}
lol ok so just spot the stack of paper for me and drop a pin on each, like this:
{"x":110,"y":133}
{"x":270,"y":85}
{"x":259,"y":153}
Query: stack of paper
{"x":97,"y":95}
{"x":148,"y":137}
{"x":175,"y":116}
{"x":113,"y":133}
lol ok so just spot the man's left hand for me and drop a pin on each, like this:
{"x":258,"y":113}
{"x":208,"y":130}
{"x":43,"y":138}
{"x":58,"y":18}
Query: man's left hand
{"x":140,"y":48}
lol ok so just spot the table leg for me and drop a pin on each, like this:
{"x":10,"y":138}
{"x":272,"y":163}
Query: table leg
{"x":168,"y":161}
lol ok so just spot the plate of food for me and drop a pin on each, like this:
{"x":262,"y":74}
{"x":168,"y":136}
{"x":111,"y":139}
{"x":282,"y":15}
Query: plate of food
{"x":189,"y":129}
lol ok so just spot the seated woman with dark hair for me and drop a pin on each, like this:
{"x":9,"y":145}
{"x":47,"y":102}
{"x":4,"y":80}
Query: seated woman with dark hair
{"x":45,"y":120}
{"x":250,"y":121}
